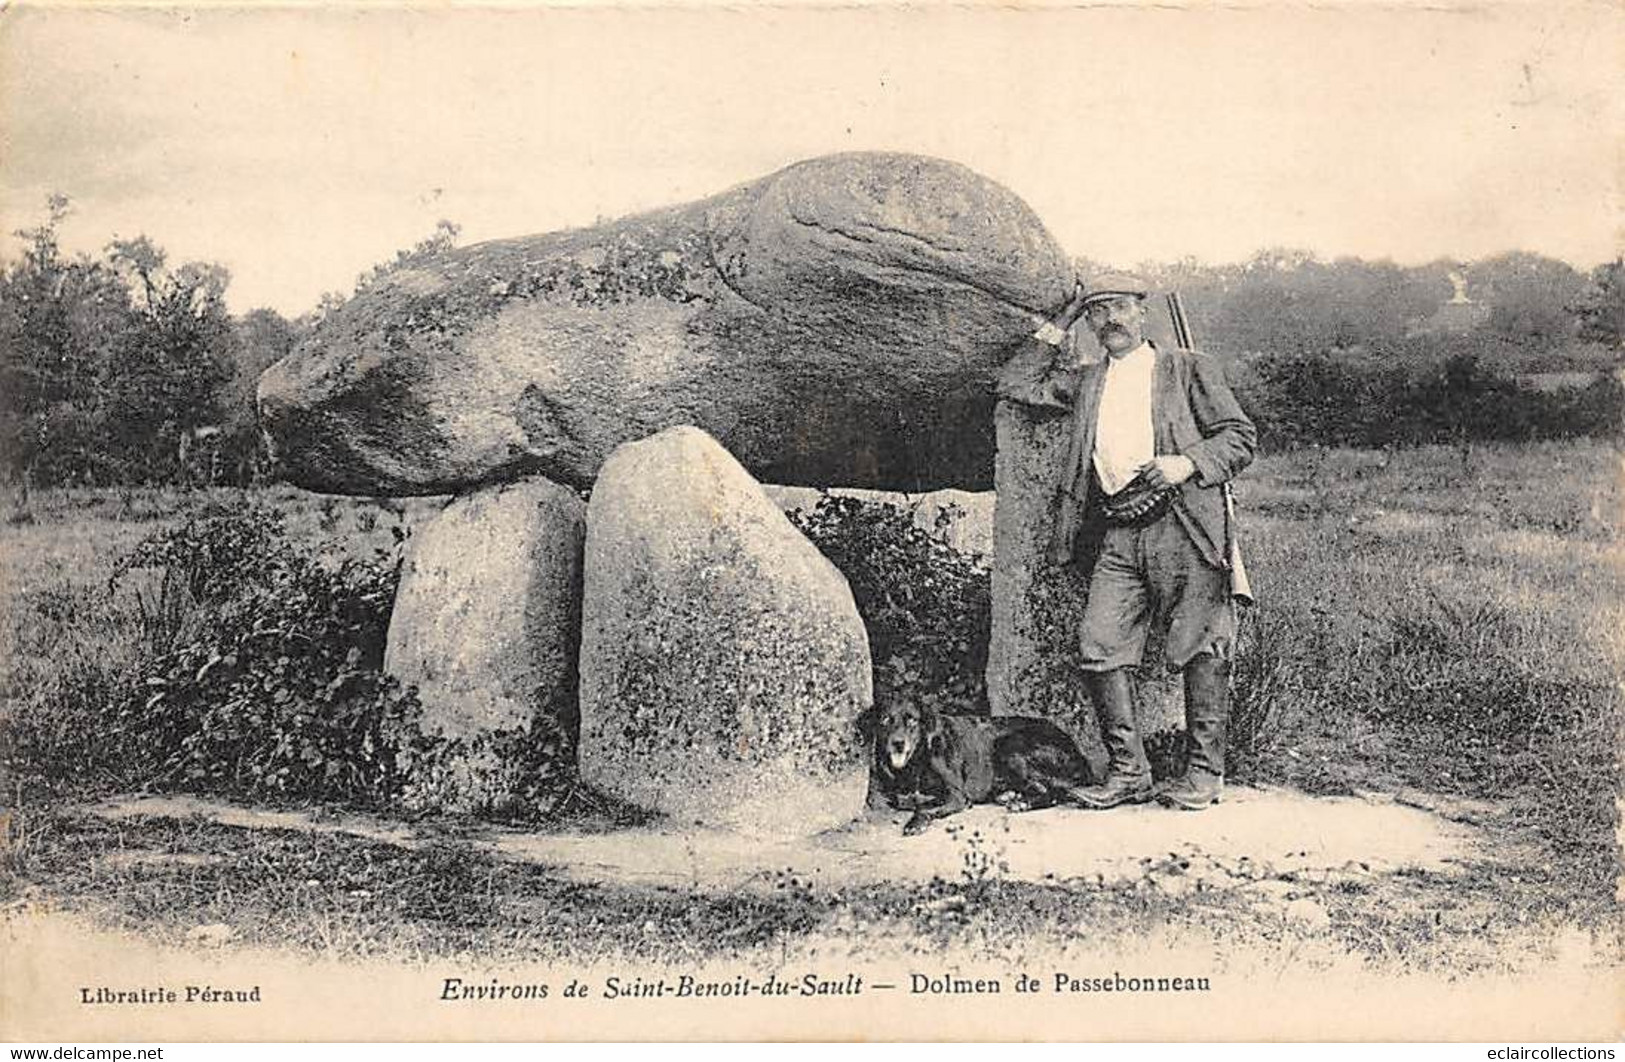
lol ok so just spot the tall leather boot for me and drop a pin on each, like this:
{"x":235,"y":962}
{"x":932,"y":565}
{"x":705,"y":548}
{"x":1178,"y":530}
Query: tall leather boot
{"x":1207,"y":709}
{"x":1128,"y":773}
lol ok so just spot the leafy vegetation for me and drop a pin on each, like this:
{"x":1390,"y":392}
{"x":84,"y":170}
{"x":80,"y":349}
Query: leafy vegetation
{"x":1433,"y":623}
{"x":223,"y":655}
{"x":123,"y":368}
{"x":1320,"y":400}
{"x":1524,"y":312}
{"x":927,"y":607}
{"x":240,"y":664}
{"x":269,"y":677}
{"x":1432,"y":618}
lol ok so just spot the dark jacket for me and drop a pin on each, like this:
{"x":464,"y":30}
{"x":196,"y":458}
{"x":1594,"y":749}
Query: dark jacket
{"x":1193,"y":412}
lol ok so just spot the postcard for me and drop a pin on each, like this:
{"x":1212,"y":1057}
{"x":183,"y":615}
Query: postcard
{"x":811,"y":522}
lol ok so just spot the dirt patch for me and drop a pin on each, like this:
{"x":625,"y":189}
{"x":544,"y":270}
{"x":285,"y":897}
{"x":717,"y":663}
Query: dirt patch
{"x":1255,"y":835}
{"x":161,"y":859}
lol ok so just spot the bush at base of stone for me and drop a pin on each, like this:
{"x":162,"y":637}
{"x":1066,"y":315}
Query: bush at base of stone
{"x":927,"y":606}
{"x":263,"y":671}
{"x":226,"y":658}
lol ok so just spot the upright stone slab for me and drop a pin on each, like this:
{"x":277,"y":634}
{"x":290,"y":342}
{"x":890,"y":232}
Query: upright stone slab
{"x":723,"y":663}
{"x":486,"y":625}
{"x":1032,"y":657}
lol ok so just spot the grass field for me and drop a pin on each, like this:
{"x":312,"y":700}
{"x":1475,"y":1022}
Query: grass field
{"x":1449,"y":620}
{"x":1444,"y":623}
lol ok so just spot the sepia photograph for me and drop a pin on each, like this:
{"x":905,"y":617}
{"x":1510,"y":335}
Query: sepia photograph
{"x":809,"y":522}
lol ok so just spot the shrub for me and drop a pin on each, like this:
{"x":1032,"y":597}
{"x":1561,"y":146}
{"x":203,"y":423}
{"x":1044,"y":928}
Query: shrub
{"x":927,"y":606}
{"x":73,"y":663}
{"x":262,"y":671}
{"x":1332,"y":399}
{"x":222,"y":657}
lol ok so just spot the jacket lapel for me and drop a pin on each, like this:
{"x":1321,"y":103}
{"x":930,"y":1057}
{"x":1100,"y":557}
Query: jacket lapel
{"x":1082,"y":448}
{"x":1074,"y":473}
{"x":1164,"y":387}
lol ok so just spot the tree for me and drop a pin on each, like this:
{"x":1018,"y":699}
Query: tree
{"x":127,"y":369}
{"x":1599,"y":308}
{"x":1368,"y":304}
{"x":1529,"y":297}
{"x":259,"y":339}
{"x":164,"y":380}
{"x":263,"y":337}
{"x":1270,"y":305}
{"x":58,"y":317}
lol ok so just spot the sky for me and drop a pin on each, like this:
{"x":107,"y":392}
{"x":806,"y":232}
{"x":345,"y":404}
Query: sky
{"x":299,"y":146}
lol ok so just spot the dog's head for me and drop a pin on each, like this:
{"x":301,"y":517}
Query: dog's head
{"x":902,"y":731}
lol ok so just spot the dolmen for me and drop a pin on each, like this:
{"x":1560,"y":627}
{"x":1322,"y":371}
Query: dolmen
{"x":604,"y":403}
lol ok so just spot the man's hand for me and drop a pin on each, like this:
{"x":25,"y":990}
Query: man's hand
{"x":1073,"y":309}
{"x":1053,"y":331}
{"x":1169,"y":470}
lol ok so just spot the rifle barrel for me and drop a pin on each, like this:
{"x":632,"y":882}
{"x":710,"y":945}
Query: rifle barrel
{"x":1182,"y":328}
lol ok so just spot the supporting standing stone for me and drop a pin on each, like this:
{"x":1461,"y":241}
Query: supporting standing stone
{"x":486,"y":625}
{"x":723,"y":662}
{"x":1037,"y":607}
{"x":1032,"y":656}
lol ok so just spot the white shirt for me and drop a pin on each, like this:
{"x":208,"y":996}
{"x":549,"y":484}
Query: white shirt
{"x":1123,"y":437}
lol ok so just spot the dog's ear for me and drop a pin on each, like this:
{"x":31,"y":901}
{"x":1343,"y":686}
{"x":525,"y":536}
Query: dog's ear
{"x":936,"y":732}
{"x":868,"y":723}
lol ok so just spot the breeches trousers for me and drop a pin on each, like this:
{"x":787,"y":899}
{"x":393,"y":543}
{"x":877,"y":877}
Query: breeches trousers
{"x":1154,"y":575}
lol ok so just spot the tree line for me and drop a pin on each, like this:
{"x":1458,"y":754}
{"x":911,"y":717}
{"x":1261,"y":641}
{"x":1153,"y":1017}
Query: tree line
{"x":1520,"y":309}
{"x":1352,"y":352}
{"x":123,"y":368}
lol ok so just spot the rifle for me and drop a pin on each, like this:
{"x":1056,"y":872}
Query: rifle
{"x":1239,"y":584}
{"x":1182,"y":328}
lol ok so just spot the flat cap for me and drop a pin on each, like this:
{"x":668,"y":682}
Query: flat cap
{"x":1110,"y":285}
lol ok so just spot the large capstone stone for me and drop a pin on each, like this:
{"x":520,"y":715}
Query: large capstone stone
{"x":837,"y":322}
{"x":486,"y":625}
{"x":723,"y":663}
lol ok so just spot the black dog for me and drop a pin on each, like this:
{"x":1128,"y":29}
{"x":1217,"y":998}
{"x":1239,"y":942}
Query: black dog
{"x":937,"y":765}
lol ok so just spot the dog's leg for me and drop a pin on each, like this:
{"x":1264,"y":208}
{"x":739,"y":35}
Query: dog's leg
{"x":1013,"y":801}
{"x":1022,"y":790}
{"x":953,"y":804}
{"x":1041,"y":789}
{"x":913,"y":801}
{"x":925,"y":811}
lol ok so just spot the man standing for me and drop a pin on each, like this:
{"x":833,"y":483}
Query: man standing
{"x":1141,"y":503}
